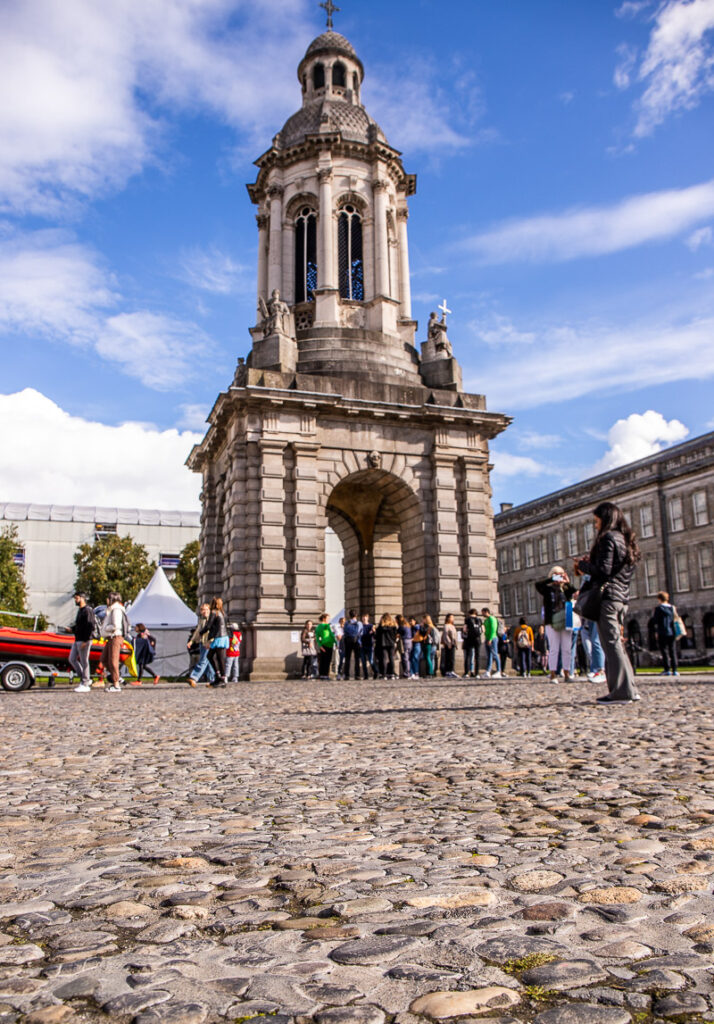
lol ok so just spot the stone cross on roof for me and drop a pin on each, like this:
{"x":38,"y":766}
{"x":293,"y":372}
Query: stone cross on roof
{"x":444,"y":310}
{"x":330,"y":8}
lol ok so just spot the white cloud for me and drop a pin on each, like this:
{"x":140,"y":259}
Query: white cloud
{"x":53,"y":287}
{"x":531,"y":439}
{"x":500,"y":330}
{"x":134,"y":466}
{"x":570,"y":362}
{"x":505,"y":464}
{"x":705,"y":275}
{"x":214,"y":271}
{"x":677,"y":68}
{"x":638,"y":436}
{"x":193,"y":417}
{"x":631,"y":8}
{"x":700,"y":237}
{"x":83,"y":84}
{"x":596,"y":230}
{"x":415,"y":113}
{"x":627,"y":59}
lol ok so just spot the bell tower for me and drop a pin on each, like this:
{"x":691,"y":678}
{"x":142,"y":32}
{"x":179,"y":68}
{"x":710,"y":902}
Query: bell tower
{"x":337,"y":417}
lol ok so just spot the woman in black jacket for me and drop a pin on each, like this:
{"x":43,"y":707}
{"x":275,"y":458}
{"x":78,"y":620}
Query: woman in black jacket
{"x":386,"y":642}
{"x":218,"y":641}
{"x":610,"y":566}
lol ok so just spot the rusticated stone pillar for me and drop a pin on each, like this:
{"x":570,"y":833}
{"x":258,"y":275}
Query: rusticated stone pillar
{"x":448,"y":568}
{"x":308,"y":545}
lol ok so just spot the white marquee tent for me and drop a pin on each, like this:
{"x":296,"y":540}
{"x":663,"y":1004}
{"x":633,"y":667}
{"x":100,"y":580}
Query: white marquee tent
{"x":167,"y":618}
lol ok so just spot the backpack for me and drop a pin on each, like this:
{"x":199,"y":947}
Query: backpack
{"x":352,"y":629}
{"x":473,"y":629}
{"x":523,"y":640}
{"x":96,"y":626}
{"x":125,"y":626}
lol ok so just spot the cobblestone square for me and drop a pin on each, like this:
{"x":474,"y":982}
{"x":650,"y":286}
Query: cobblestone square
{"x":367,"y":853}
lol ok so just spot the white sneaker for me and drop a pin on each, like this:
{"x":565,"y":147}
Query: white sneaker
{"x":496,"y":675}
{"x":82,"y":689}
{"x":597,"y":677}
{"x":114,"y":689}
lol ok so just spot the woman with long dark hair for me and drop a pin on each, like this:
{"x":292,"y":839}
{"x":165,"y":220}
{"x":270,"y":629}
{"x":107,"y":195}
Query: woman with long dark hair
{"x":218,"y":640}
{"x":610,"y":565}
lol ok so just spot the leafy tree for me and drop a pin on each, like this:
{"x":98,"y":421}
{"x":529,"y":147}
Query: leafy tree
{"x":13,"y":594}
{"x":185,"y":582}
{"x":112,"y":563}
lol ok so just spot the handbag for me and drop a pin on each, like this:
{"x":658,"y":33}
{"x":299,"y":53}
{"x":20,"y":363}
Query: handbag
{"x":589,"y":602}
{"x":680,"y":629}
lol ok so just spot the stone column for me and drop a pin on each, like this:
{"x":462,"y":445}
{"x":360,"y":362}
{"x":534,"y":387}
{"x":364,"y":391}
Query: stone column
{"x":263,"y":221}
{"x":381,"y":238}
{"x":235,"y":530}
{"x":405,"y":284}
{"x":209,"y":573}
{"x":309,"y":554}
{"x":326,"y":258}
{"x":275,"y":252}
{"x":288,"y":289}
{"x":448,"y":567}
{"x":271,"y":532}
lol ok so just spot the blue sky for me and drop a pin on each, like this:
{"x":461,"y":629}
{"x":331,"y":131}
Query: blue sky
{"x":565,"y":209}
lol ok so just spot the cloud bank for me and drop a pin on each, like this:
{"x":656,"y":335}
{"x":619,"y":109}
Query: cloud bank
{"x":638,"y":436}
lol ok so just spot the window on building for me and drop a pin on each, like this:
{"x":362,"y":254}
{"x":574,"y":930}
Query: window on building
{"x":676,"y":517}
{"x":528,"y":554}
{"x":503,"y":560}
{"x":708,"y":626}
{"x":646,"y":522}
{"x":634,"y":584}
{"x":700,"y":508}
{"x":169,"y":561}
{"x":543,"y":550}
{"x":506,"y":601}
{"x":588,"y":534}
{"x":557,"y":546}
{"x":651,"y":574}
{"x":349,"y":254}
{"x":688,"y":642}
{"x":339,"y":75}
{"x":706,"y":567}
{"x":305,"y":255}
{"x":531,"y":598}
{"x":571,"y":536}
{"x":681,"y":571}
{"x":517,"y":592}
{"x":515,"y":558}
{"x":318,"y":76}
{"x":19,"y":558}
{"x":104,"y":530}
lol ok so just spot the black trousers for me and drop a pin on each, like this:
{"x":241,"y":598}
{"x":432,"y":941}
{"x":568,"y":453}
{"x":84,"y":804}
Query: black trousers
{"x":352,"y":649}
{"x":449,"y":659}
{"x":524,"y":660}
{"x":668,"y":650}
{"x":387,"y":661}
{"x":324,"y":661}
{"x":217,"y":658}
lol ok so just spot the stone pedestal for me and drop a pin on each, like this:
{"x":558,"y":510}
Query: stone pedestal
{"x":274,"y":352}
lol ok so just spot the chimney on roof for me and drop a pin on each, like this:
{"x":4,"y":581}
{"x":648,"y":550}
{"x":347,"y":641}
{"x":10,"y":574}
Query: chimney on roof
{"x":506,"y":506}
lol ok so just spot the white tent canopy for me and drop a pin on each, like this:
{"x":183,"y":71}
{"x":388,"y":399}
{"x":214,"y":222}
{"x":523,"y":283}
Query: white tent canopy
{"x":158,"y":606}
{"x":163,"y":612}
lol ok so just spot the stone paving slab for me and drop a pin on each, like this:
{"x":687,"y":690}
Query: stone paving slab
{"x":380,"y":853}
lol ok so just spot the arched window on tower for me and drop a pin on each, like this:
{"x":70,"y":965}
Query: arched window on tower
{"x":318,"y":76}
{"x":305,"y":255}
{"x":339,"y":75}
{"x":349,"y":251}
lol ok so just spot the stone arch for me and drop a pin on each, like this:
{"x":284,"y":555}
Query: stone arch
{"x":295,"y":204}
{"x":379,"y":519}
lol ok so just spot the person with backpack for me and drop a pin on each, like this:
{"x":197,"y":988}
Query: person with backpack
{"x":144,"y":648}
{"x":525,"y":641}
{"x":235,"y":639}
{"x":351,"y":634}
{"x":490,"y":630}
{"x":472,"y":633}
{"x":115,"y":629}
{"x":83,"y":629}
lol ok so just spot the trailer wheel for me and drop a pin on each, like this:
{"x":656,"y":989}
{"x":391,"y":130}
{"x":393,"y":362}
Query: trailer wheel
{"x":16,"y":678}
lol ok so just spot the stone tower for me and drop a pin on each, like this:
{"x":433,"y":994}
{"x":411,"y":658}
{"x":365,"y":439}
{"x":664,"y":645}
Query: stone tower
{"x":336,"y":418}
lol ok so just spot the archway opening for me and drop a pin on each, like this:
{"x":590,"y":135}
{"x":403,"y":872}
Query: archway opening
{"x":379,"y":524}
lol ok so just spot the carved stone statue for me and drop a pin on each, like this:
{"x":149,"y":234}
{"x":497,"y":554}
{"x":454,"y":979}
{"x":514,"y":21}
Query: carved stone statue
{"x":276,"y":315}
{"x":436,"y":333}
{"x":374,"y":460}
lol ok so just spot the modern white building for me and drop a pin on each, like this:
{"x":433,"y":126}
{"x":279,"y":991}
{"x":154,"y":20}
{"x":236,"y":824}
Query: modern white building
{"x":49,"y":536}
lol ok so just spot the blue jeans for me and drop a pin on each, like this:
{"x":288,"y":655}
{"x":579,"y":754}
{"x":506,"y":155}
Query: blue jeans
{"x":470,"y":659}
{"x":365,"y":656}
{"x":574,"y":651}
{"x":593,"y":648}
{"x":493,"y":658}
{"x":201,"y":666}
{"x":415,"y":658}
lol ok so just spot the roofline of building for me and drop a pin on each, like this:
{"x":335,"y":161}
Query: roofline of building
{"x":611,"y":476}
{"x":17,"y":511}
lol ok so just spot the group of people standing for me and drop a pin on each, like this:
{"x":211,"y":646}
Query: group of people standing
{"x":214,"y":647}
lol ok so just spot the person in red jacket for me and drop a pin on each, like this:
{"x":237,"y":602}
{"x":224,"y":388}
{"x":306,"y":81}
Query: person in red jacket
{"x":233,"y":653}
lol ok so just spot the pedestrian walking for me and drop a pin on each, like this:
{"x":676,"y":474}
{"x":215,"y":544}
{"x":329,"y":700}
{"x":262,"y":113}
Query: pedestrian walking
{"x":472,"y":633}
{"x":200,"y":637}
{"x":505,"y":649}
{"x":144,"y":650}
{"x":350,"y":638}
{"x":524,"y":642}
{"x":83,"y":630}
{"x":404,"y":646}
{"x":418,"y":638}
{"x":664,"y":616}
{"x":449,"y":641}
{"x":115,"y":629}
{"x":610,"y":565}
{"x":325,"y":640}
{"x":218,"y":641}
{"x":308,"y":648}
{"x":490,"y":632}
{"x":386,"y":643}
{"x":430,"y":645}
{"x":235,"y":639}
{"x":556,"y":592}
{"x":366,"y":648}
{"x":340,"y":645}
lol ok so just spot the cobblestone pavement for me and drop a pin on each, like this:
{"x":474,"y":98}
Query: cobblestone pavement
{"x":358,"y":853}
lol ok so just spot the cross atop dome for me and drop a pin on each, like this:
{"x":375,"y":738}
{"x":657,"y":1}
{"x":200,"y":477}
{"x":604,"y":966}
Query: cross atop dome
{"x":330,"y":8}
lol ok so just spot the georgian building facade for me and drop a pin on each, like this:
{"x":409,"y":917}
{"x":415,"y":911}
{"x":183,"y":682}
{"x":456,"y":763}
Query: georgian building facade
{"x":669,"y":500}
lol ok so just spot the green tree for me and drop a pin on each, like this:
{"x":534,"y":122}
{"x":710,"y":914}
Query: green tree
{"x":112,"y":563}
{"x":185,"y":582}
{"x":13,"y":594}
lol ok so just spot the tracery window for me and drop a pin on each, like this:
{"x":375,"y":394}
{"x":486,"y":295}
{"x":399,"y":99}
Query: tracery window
{"x":339,"y":75}
{"x":318,"y":76}
{"x":349,"y":252}
{"x":305,"y":255}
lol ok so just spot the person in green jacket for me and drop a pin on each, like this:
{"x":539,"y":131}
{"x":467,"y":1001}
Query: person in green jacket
{"x":490,"y":631}
{"x":325,"y":640}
